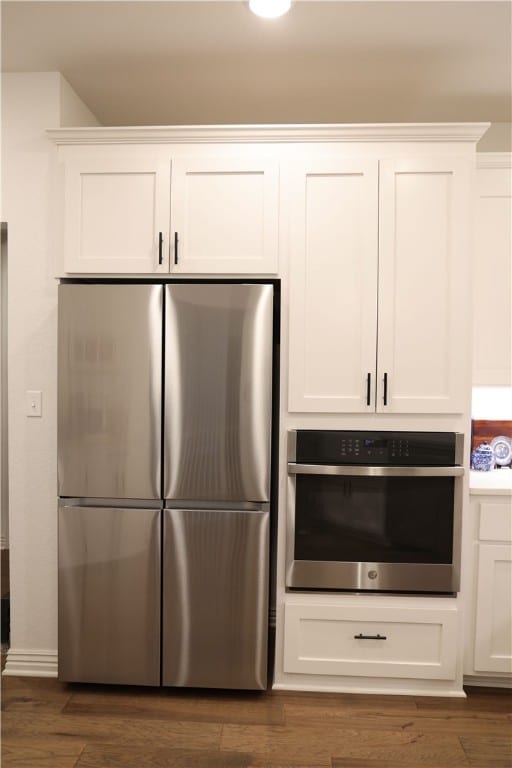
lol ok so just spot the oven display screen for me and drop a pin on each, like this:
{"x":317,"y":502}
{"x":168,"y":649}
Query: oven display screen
{"x":375,"y":443}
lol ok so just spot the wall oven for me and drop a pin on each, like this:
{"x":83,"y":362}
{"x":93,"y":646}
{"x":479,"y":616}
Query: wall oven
{"x":374,"y":511}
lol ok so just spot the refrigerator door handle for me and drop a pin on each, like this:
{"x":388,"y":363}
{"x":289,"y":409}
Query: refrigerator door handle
{"x":235,"y":506}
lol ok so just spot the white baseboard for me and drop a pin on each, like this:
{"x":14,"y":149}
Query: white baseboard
{"x":365,"y":689}
{"x":26,"y":663}
{"x":488,"y":682}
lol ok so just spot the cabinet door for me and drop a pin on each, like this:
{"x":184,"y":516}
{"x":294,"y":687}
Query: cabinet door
{"x":117,"y":213}
{"x":333,"y":285}
{"x":424,"y":268}
{"x":493,"y":633}
{"x":224,"y":215}
{"x":492,"y":312}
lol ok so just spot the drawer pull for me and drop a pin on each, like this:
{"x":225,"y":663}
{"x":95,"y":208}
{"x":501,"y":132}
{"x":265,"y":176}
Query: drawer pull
{"x":370,"y":637}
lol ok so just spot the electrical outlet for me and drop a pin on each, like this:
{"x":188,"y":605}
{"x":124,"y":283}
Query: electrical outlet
{"x":34,"y":403}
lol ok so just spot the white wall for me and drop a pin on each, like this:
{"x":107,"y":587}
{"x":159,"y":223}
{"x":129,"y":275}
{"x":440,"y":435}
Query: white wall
{"x":32,"y":103}
{"x":492,"y":403}
{"x":4,"y":451}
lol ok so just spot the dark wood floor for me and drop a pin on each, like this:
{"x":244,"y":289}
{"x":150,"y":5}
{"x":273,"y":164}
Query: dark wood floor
{"x":47,"y":724}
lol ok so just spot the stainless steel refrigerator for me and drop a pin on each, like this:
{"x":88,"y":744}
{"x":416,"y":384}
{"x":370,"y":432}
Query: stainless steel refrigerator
{"x":164,"y":467}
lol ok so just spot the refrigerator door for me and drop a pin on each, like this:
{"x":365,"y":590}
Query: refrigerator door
{"x":109,"y":595}
{"x":109,"y":403}
{"x":218,"y":369}
{"x":215,"y":598}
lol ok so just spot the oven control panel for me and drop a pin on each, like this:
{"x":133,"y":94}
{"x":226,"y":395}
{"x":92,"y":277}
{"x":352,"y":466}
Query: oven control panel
{"x":311,"y":446}
{"x":370,"y":447}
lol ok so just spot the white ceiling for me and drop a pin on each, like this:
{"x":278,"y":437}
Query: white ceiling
{"x":189,"y":62}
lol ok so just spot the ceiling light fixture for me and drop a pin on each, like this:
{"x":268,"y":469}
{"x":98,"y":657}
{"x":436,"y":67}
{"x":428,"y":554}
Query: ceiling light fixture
{"x":269,"y":9}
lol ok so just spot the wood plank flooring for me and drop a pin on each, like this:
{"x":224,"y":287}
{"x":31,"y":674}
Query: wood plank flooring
{"x":47,"y":724}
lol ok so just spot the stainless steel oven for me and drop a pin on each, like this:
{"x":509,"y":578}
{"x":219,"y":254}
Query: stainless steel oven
{"x":374,"y":511}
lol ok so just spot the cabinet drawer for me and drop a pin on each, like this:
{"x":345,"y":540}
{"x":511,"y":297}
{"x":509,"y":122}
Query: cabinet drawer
{"x":413,"y":642}
{"x":495,"y":522}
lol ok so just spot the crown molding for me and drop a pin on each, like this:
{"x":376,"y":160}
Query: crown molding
{"x":232,"y":134}
{"x":494,"y":159}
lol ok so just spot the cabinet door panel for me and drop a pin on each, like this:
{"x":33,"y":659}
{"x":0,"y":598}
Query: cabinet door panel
{"x":225,"y":214}
{"x":493,"y":636}
{"x":333,"y":285}
{"x":116,"y":208}
{"x":326,"y":640}
{"x":492,"y":355}
{"x":423,"y":280}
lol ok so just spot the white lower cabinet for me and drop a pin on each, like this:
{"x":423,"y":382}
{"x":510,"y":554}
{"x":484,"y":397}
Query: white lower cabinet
{"x":370,"y":641}
{"x":489,"y":628}
{"x":493,"y":626}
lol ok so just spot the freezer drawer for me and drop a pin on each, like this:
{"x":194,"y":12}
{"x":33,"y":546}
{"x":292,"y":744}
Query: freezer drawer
{"x":215,"y":598}
{"x":109,"y":595}
{"x":218,"y":398}
{"x":110,"y":372}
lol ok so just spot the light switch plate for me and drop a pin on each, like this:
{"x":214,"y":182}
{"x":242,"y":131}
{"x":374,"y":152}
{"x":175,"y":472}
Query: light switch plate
{"x":34,"y":403}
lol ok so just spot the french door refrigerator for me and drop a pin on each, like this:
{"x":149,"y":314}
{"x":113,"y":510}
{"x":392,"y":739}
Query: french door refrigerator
{"x":164,"y":466}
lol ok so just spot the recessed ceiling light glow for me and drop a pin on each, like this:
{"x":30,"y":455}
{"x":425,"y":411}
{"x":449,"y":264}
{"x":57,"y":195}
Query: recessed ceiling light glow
{"x":269,"y":9}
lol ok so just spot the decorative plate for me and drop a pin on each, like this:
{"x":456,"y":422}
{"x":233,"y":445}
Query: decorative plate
{"x":502,"y":449}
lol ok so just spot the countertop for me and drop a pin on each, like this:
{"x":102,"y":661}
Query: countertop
{"x":498,"y":482}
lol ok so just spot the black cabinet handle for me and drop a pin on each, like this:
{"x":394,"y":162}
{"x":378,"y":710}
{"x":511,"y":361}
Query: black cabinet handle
{"x":368,"y":388}
{"x":160,"y":248}
{"x":370,"y":637}
{"x":385,"y":389}
{"x":175,"y":247}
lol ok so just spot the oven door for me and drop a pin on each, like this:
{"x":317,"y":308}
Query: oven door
{"x":374,"y":528}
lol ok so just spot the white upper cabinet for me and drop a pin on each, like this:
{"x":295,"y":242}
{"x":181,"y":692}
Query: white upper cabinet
{"x":333,"y":285}
{"x":224,"y":215}
{"x":424,"y":262}
{"x":492,"y":294}
{"x":378,"y":284}
{"x":116,"y":212}
{"x":136,"y":211}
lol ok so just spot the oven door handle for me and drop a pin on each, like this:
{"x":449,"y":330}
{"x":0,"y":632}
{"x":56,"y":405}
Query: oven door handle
{"x":370,"y":471}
